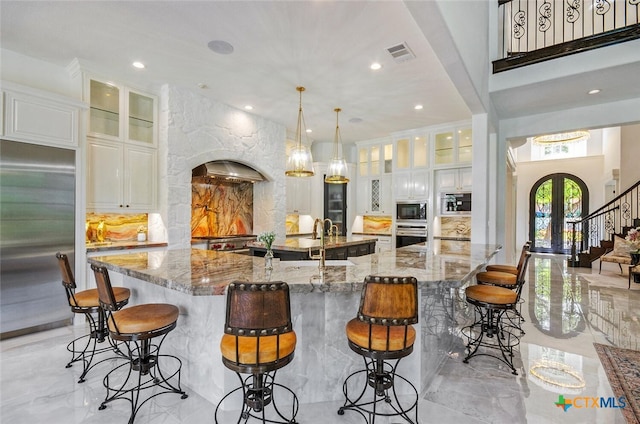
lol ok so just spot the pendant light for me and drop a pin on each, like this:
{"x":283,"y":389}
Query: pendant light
{"x":337,"y":170}
{"x":300,"y":162}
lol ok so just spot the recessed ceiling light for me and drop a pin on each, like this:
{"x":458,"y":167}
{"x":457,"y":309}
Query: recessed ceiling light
{"x":309,"y":130}
{"x":202,"y":85}
{"x":594,"y":91}
{"x":248,"y":107}
{"x":418,"y":107}
{"x":220,"y":47}
{"x":138,"y":65}
{"x":375,"y":66}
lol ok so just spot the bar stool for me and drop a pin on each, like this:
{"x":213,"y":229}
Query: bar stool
{"x":383,"y":334}
{"x":491,"y":303}
{"x":86,"y":302}
{"x":258,"y":340}
{"x":511,"y":269}
{"x":137,"y":326}
{"x":510,"y":281}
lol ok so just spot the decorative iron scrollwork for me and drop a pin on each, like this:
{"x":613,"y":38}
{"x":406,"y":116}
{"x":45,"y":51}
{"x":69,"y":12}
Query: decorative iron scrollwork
{"x":573,"y":11}
{"x":634,"y":2}
{"x":602,"y":6}
{"x":544,"y":21}
{"x":519,"y":24}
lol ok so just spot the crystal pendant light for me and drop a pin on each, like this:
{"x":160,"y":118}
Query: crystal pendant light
{"x":337,"y":170}
{"x":300,"y":162}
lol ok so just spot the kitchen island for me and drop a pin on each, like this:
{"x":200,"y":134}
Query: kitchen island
{"x":336,"y":247}
{"x":321,"y":303}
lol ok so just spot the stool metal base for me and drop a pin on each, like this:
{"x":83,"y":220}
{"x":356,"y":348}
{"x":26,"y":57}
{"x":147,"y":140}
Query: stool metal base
{"x":85,"y":348}
{"x":144,"y":363}
{"x":257,"y":394}
{"x":492,"y":334}
{"x":381,"y":379}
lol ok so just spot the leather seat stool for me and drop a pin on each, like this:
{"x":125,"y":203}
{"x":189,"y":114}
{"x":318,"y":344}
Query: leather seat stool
{"x":383,"y":334}
{"x":86,"y":302}
{"x":137,"y":326}
{"x":511,"y":269}
{"x":258,"y":340}
{"x":493,"y":329}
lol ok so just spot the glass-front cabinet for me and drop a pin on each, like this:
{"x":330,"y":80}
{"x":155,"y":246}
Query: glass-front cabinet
{"x":452,"y":147}
{"x":412,"y":152}
{"x":375,"y":165}
{"x":121,"y":113}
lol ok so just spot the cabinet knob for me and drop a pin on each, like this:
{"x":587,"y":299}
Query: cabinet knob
{"x":120,"y":205}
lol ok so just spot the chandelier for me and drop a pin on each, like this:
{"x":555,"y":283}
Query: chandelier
{"x":567,"y":137}
{"x":300,"y":162}
{"x":337,"y":169}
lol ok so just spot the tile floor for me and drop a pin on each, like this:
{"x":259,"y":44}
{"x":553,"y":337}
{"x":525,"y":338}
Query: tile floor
{"x":566,"y":310}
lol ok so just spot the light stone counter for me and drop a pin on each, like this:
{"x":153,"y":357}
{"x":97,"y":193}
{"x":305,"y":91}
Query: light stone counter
{"x":195,"y":281}
{"x":303,"y":244}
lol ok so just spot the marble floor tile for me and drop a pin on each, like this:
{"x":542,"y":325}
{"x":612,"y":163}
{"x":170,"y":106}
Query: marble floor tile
{"x":566,"y":310}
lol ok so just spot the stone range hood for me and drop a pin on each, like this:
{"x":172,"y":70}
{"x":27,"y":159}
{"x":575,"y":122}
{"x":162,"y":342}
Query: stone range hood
{"x":228,"y":171}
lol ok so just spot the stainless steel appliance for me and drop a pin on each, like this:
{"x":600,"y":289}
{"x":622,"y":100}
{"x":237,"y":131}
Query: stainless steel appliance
{"x":37,"y":219}
{"x":236,"y":243}
{"x":411,"y":211}
{"x":410,"y":233}
{"x":455,"y":203}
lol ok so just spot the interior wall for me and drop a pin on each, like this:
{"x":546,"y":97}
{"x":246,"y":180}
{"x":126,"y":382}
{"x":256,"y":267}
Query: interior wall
{"x":629,"y":153}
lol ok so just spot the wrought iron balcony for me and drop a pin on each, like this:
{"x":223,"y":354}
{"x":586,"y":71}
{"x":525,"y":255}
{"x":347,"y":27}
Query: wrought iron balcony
{"x":533,"y":31}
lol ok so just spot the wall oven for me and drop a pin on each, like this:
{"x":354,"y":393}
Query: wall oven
{"x":411,"y":211}
{"x":410,"y":233}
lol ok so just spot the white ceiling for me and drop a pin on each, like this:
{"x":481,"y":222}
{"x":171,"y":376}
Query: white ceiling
{"x":325,"y":46}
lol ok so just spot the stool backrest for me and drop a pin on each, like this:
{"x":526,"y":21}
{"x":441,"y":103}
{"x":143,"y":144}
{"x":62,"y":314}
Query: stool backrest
{"x":525,"y":248}
{"x":258,"y":309}
{"x":522,"y":273}
{"x":68,"y":281}
{"x":105,"y":290}
{"x":389,"y":301}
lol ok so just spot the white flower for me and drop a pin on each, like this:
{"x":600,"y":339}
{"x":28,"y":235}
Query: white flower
{"x":267,"y":238}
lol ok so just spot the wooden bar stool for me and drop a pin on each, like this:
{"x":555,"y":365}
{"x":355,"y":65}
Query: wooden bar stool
{"x":86,"y":302}
{"x":511,"y":269}
{"x":493,"y":329}
{"x":137,"y":326}
{"x":258,"y":340}
{"x":383,"y":334}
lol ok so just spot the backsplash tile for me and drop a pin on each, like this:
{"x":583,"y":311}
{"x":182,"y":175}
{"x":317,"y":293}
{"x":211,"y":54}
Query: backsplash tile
{"x":117,"y":227}
{"x":378,"y":224}
{"x":221,"y":208}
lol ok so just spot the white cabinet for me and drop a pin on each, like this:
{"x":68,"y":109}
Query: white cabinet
{"x":121,"y":176}
{"x":374,"y":196}
{"x":411,"y":185}
{"x":34,"y":116}
{"x":412,"y":152}
{"x":120,"y":113}
{"x":299,"y":195}
{"x":452,"y":147}
{"x":383,"y":244}
{"x":453,"y":180}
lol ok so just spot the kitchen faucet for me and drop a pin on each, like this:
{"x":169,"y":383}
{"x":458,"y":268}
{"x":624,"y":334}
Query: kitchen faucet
{"x":322,"y":253}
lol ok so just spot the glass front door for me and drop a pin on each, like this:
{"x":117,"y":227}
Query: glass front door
{"x":555,"y":202}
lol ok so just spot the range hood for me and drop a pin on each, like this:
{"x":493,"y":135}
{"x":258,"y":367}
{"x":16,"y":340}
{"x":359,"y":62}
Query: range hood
{"x":228,"y":171}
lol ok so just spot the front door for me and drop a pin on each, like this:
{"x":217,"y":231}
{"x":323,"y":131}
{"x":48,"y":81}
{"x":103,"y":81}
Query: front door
{"x":555,"y":201}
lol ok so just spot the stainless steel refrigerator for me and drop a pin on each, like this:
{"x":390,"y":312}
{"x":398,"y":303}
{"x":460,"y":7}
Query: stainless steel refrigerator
{"x":37,"y":219}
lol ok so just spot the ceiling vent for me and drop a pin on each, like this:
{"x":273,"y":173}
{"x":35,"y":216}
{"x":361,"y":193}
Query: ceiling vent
{"x":401,"y":53}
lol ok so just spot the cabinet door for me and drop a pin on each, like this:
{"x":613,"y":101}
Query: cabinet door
{"x":104,"y":109}
{"x":420,"y":185}
{"x":402,"y":182}
{"x":298,"y":195}
{"x":105,"y":175}
{"x":141,"y":118}
{"x":386,"y":195}
{"x":140,"y":178}
{"x":465,"y":179}
{"x":446,"y":180}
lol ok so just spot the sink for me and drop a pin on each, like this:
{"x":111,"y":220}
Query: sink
{"x":331,"y":262}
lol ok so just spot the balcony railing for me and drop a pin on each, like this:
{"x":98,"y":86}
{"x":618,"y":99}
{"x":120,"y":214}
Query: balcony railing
{"x":533,"y":31}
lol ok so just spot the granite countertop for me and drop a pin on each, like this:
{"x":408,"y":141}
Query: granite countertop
{"x":387,"y":234}
{"x":205,"y":273}
{"x":302,"y":244}
{"x":106,"y":246}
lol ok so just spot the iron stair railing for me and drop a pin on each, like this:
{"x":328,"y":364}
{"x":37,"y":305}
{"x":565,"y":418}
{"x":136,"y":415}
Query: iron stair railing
{"x":615,"y":217}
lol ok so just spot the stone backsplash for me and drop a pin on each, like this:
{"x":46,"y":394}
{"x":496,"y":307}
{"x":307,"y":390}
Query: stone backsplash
{"x":221,"y":208}
{"x":455,"y":226}
{"x":115,"y":227}
{"x":376,"y":224}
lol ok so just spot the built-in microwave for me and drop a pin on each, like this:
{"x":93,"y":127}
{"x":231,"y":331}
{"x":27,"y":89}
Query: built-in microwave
{"x":411,"y":211}
{"x":455,"y":203}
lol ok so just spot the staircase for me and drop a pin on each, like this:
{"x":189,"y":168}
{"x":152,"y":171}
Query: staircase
{"x":593,"y":234}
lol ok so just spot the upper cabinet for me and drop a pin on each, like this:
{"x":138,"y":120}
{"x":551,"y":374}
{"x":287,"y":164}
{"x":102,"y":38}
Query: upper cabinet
{"x":412,"y":153}
{"x":121,"y":148}
{"x":455,"y":179}
{"x":299,"y":195}
{"x":120,"y":113}
{"x":34,"y":116}
{"x":375,"y":165}
{"x":452,"y":147}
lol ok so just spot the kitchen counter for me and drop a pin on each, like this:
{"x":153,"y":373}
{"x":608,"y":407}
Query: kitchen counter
{"x":205,"y":273}
{"x":297,"y":248}
{"x":122,"y":245}
{"x":195,"y":281}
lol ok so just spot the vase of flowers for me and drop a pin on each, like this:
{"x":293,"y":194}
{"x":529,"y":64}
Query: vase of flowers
{"x":267,"y":238}
{"x":633,"y":236}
